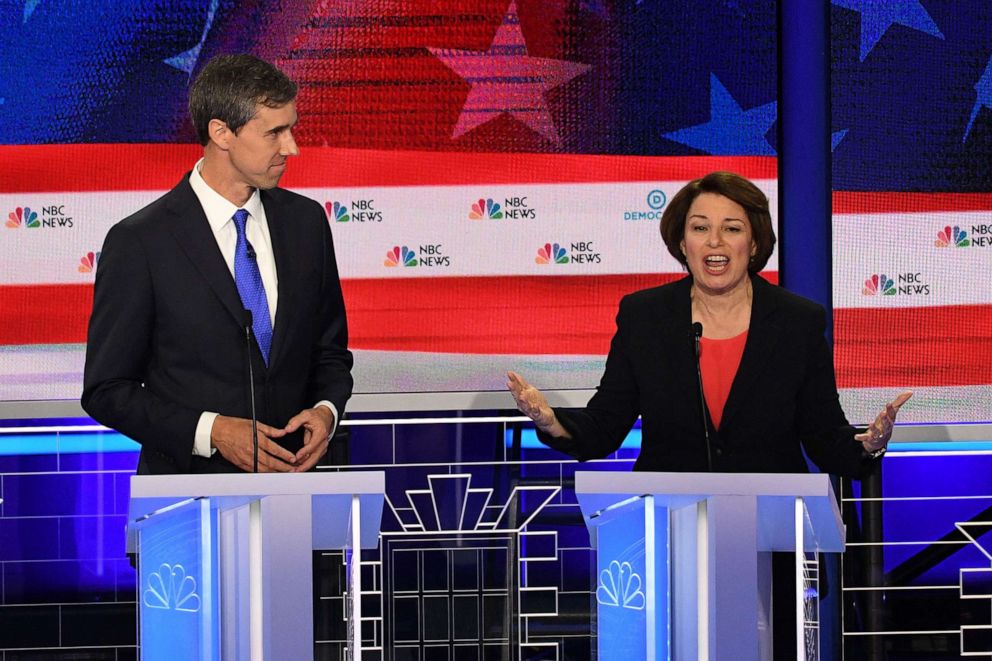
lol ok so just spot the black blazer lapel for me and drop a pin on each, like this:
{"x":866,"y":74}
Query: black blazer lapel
{"x":283,"y":250}
{"x":192,"y":232}
{"x":677,"y":336}
{"x":764,"y":334}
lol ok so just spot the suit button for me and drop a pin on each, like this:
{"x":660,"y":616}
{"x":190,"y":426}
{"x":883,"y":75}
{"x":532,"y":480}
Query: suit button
{"x":719,"y":452}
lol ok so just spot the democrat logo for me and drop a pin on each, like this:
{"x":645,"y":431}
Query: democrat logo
{"x":88,"y":262}
{"x":487,"y":209}
{"x":23,"y":216}
{"x":400,"y":256}
{"x":656,"y":201}
{"x":336,"y":212}
{"x":956,"y":237}
{"x":551,"y":253}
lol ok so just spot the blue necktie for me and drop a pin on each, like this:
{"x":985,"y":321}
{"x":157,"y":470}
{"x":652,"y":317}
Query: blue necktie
{"x":249,"y":282}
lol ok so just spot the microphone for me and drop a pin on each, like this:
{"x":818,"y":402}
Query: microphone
{"x":697,"y":335}
{"x":251,"y":387}
{"x":251,"y":249}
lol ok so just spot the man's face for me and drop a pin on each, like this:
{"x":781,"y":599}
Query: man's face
{"x":259,"y":150}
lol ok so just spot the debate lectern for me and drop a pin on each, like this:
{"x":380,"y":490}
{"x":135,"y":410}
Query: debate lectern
{"x":225,"y":561}
{"x":684,"y":562}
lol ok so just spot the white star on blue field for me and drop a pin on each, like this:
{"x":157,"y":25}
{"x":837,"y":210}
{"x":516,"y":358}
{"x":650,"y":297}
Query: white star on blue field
{"x":877,"y":16}
{"x":731,"y":129}
{"x":984,"y":90}
{"x":29,"y":7}
{"x":187,"y":61}
{"x":836,"y":137}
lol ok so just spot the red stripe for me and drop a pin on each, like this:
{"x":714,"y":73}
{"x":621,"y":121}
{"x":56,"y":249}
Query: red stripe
{"x":491,"y":315}
{"x":488,"y":315}
{"x":851,"y":202}
{"x":937,"y":346}
{"x":44,"y":314}
{"x":909,"y":347}
{"x":127,"y":167}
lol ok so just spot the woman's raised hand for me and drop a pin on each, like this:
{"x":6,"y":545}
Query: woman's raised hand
{"x":880,"y":431}
{"x":534,"y":405}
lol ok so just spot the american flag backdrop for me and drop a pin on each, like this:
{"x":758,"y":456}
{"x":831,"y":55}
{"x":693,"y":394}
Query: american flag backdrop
{"x":493,"y":170}
{"x":912,"y":204}
{"x":513,"y":157}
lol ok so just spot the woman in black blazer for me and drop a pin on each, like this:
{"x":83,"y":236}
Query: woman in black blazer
{"x":783,"y":390}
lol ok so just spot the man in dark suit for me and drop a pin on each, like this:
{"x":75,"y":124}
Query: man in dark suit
{"x":223,"y":271}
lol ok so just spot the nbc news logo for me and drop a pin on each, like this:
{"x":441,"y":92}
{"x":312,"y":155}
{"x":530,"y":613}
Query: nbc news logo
{"x":905,"y":284}
{"x":362,"y":211}
{"x":429,"y":255}
{"x":52,"y":217}
{"x":513,"y":208}
{"x":577,"y":252}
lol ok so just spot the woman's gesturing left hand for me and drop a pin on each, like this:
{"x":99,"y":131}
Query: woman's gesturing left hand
{"x":880,"y":431}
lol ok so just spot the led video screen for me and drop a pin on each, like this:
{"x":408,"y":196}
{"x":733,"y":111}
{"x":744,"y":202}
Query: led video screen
{"x":493,"y":172}
{"x":912,"y":204}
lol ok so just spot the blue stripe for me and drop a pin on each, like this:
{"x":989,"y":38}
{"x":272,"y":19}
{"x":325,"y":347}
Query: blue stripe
{"x":32,"y":444}
{"x":945,"y":446}
{"x":528,"y":440}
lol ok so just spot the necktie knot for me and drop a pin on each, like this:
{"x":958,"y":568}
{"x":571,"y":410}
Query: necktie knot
{"x":240,"y":218}
{"x":248,"y":280}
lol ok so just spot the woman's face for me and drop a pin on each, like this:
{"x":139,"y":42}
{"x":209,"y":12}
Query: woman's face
{"x":717,"y":244}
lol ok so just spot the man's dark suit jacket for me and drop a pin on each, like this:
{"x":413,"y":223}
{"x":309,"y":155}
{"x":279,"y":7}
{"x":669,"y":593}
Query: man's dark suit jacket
{"x":784,"y":392}
{"x":167,"y":335}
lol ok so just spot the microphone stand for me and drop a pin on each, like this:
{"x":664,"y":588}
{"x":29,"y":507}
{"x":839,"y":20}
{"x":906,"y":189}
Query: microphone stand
{"x":251,"y":392}
{"x":697,"y":334}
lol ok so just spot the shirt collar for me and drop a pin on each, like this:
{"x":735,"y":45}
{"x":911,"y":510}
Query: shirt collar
{"x":217,"y":208}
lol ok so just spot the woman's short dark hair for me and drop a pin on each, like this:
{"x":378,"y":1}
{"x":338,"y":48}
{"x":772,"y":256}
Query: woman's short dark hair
{"x":734,"y":187}
{"x":230,"y":88}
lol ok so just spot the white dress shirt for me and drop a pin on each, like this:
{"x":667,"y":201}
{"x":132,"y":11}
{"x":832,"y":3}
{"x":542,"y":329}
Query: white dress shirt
{"x":220,"y":211}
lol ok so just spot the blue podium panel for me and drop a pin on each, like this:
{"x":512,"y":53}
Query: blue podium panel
{"x":250,"y":594}
{"x":632,"y":594}
{"x":178,"y":590}
{"x":684,"y":560}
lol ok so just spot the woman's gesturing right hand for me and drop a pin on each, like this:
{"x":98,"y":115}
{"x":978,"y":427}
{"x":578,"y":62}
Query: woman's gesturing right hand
{"x":534,"y":405}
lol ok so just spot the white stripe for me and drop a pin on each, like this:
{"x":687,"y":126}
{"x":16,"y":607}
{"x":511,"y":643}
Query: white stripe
{"x":930,"y":404}
{"x":420,"y":216}
{"x":902,"y":246}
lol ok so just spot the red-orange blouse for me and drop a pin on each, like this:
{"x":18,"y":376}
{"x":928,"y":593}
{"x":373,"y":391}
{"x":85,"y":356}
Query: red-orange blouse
{"x":718,"y":361}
